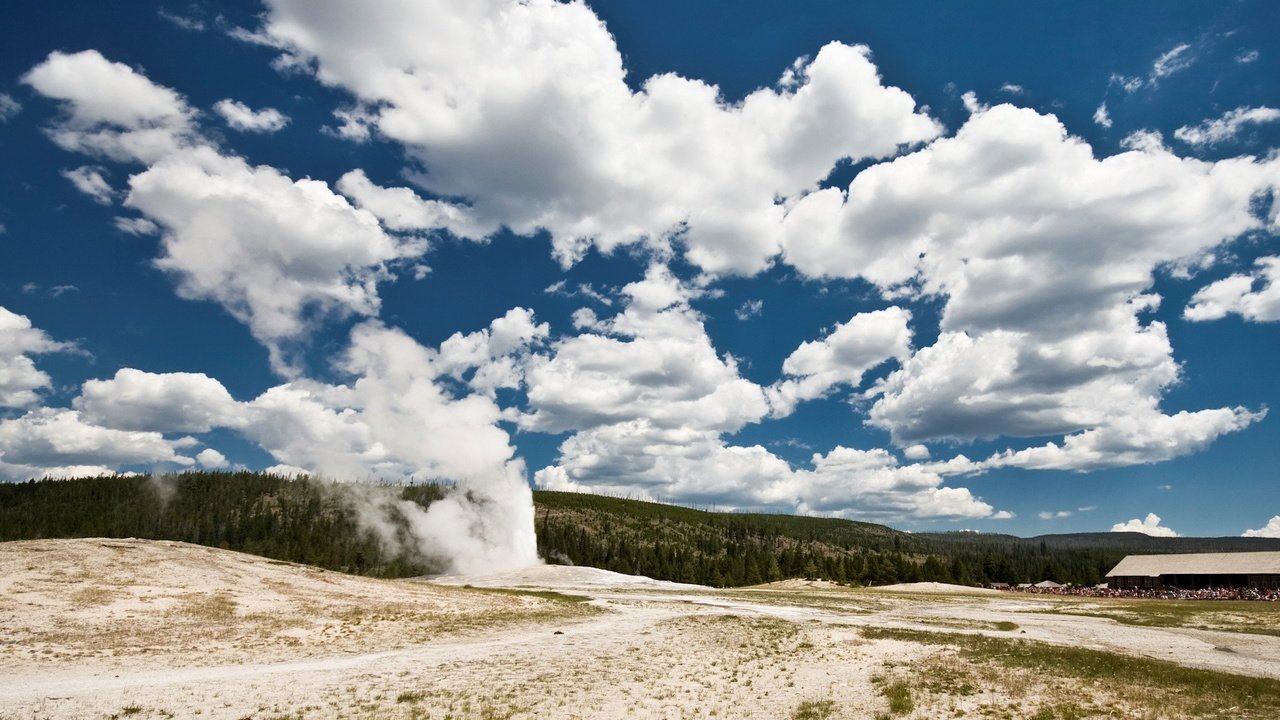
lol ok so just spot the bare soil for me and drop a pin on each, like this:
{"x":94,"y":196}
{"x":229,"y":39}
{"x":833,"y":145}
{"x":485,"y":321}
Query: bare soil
{"x":129,"y":628}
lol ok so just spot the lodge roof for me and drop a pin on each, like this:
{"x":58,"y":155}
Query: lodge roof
{"x":1237,"y":563}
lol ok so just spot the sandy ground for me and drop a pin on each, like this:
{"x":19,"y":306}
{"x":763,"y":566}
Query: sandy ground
{"x":126,"y":628}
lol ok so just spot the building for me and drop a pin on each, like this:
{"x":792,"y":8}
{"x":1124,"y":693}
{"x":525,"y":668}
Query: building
{"x":1193,"y":571}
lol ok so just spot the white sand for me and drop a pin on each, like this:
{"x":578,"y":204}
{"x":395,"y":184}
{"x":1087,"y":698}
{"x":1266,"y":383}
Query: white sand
{"x":107,"y":628}
{"x":937,"y":587}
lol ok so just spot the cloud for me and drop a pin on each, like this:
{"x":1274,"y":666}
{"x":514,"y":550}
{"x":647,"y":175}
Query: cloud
{"x":90,"y":181}
{"x":1149,"y":526}
{"x":1176,"y":60}
{"x":136,"y":226}
{"x":749,"y":309}
{"x":523,"y":112}
{"x":9,"y":108}
{"x":192,"y":24}
{"x":47,"y":438}
{"x":1270,"y":530}
{"x":1054,"y":515}
{"x":402,"y":209}
{"x":649,"y":403}
{"x":20,"y":380}
{"x":1044,"y":256}
{"x":164,"y":402}
{"x":278,"y":254}
{"x":1101,"y":116}
{"x":1012,"y":89}
{"x":916,"y":452}
{"x":245,"y":119}
{"x":1244,"y":57}
{"x":1227,"y":127}
{"x":842,"y":357}
{"x":1254,"y":297}
{"x":210,"y":458}
{"x":110,"y":110}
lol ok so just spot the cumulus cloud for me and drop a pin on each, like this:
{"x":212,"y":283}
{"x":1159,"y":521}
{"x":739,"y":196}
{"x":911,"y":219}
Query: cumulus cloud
{"x":164,"y":402}
{"x":1270,"y":530}
{"x":245,"y":119}
{"x":1044,"y":256}
{"x":1254,"y":297}
{"x":278,"y":254}
{"x":1227,"y":127}
{"x":523,"y":111}
{"x":210,"y":458}
{"x":842,"y":357}
{"x":650,"y":403}
{"x":1244,"y":57}
{"x":1149,"y":526}
{"x":110,"y":110}
{"x":46,"y":438}
{"x":749,"y":309}
{"x":90,"y":181}
{"x":20,"y":380}
{"x":402,"y":209}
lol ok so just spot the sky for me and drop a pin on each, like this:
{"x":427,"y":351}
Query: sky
{"x":1000,"y":266}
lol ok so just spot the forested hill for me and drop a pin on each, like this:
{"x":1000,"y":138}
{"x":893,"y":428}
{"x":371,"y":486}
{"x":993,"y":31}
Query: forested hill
{"x":316,"y":523}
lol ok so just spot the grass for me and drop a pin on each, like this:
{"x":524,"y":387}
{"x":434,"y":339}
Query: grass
{"x":1153,"y":688}
{"x":814,"y":710}
{"x":1241,"y":616}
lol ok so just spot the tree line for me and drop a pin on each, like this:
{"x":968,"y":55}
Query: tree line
{"x":315,"y":523}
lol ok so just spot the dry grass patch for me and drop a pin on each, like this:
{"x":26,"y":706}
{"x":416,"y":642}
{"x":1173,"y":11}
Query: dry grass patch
{"x":1019,"y":678}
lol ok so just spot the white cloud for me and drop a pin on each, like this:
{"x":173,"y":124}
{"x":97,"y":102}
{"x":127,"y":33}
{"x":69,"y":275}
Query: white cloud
{"x":245,"y":119}
{"x":523,"y":110}
{"x":9,"y":108}
{"x":1175,"y":60}
{"x":650,"y":402}
{"x":90,"y":181}
{"x":278,"y":254}
{"x":916,"y":452}
{"x":1254,"y":297}
{"x":1270,"y":530}
{"x":110,"y":110}
{"x":136,"y":226}
{"x":1101,"y":116}
{"x":749,"y":309}
{"x":20,"y":380}
{"x":163,"y":402}
{"x":210,"y":458}
{"x":842,"y":357}
{"x":1054,"y":515}
{"x":1149,"y":526}
{"x":1244,"y":57}
{"x":402,"y":208}
{"x":1044,"y":255}
{"x":193,"y":24}
{"x":47,"y":438}
{"x":1013,"y":89}
{"x":1227,"y":127}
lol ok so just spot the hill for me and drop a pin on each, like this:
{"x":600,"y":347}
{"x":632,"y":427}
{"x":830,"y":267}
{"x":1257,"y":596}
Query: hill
{"x":316,"y":523}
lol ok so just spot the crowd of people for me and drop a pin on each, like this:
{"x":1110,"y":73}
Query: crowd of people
{"x":1211,"y":593}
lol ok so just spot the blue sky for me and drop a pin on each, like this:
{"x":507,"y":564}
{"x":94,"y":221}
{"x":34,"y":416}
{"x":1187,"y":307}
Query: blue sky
{"x":997,"y":266}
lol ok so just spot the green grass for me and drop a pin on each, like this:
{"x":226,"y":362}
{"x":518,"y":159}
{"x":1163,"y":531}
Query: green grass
{"x":814,"y":710}
{"x":1157,"y":686}
{"x":1241,"y":616}
{"x":899,"y":695}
